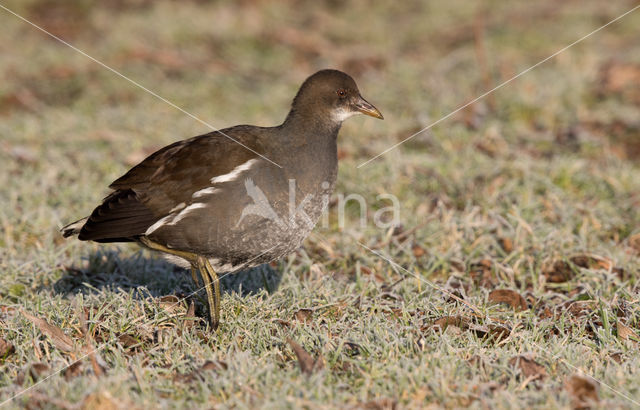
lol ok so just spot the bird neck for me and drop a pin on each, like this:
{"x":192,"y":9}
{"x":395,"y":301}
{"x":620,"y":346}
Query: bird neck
{"x":303,"y":124}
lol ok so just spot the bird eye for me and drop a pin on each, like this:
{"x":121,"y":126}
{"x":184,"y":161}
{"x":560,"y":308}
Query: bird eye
{"x":341,"y":92}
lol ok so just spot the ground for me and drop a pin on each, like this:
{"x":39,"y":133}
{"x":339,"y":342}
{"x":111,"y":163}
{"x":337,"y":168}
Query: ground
{"x":511,"y":280}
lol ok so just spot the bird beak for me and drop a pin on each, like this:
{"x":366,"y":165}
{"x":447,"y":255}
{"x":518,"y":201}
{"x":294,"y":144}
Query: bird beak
{"x":364,"y":107}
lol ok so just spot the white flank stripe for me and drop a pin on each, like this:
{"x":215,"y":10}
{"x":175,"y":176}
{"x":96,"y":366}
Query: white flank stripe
{"x":158,"y":224}
{"x":177,"y":207}
{"x":186,"y":211}
{"x":206,"y":191}
{"x":234,"y":173}
{"x":173,"y":219}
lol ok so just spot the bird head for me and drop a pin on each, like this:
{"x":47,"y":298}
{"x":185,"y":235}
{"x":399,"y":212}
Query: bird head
{"x":332,"y":94}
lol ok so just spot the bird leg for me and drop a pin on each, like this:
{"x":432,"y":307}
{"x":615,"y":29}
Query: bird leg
{"x":212,"y":285}
{"x":194,"y":276}
{"x":209,"y":276}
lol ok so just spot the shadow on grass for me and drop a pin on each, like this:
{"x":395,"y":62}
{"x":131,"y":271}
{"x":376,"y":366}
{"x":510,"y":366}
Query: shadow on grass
{"x":154,"y":276}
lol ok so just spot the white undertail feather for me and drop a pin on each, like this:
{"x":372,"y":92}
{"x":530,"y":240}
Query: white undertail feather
{"x":73,"y":228}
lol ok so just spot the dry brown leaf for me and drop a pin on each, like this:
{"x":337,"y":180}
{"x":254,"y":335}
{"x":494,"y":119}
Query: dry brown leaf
{"x":621,"y":78}
{"x":37,"y":370}
{"x":58,"y":337}
{"x":215,"y":365}
{"x":6,"y":349}
{"x":303,"y":315}
{"x":506,"y":244}
{"x":510,"y":297}
{"x":306,"y":362}
{"x":209,"y":365}
{"x":455,"y":288}
{"x":634,"y":242}
{"x":170,"y":303}
{"x":37,"y":400}
{"x":616,"y":357}
{"x":282,"y":322}
{"x":590,"y":261}
{"x":482,"y":273}
{"x":384,"y":403}
{"x":100,"y":401}
{"x":558,"y":272}
{"x":74,"y":370}
{"x":529,"y":367}
{"x":98,"y":370}
{"x":625,"y":332}
{"x":446,"y":321}
{"x":418,"y":251}
{"x":495,"y":333}
{"x":190,"y":316}
{"x":352,"y":349}
{"x":593,"y":261}
{"x":579,"y":308}
{"x":583,"y":391}
{"x":129,"y":342}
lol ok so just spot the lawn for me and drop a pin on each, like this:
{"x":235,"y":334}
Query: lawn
{"x":511,"y":279}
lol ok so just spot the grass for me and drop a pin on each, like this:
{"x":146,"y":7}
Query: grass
{"x":534,"y":189}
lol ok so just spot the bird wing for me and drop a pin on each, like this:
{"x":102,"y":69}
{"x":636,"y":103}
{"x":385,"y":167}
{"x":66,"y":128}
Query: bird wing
{"x":165,"y":181}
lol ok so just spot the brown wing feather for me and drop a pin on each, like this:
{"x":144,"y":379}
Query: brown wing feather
{"x":171,"y":175}
{"x":168,"y":177}
{"x":120,"y":218}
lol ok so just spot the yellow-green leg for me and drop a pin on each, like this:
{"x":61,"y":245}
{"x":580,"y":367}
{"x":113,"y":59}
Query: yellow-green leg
{"x":194,"y":276}
{"x":209,"y":277}
{"x":212,"y":285}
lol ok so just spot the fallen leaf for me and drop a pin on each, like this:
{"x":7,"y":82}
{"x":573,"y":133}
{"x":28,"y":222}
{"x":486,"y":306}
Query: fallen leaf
{"x":6,"y":349}
{"x":128,"y":342}
{"x":446,"y":321}
{"x":215,"y":365}
{"x":209,"y":365}
{"x":170,"y":303}
{"x":592,"y":261}
{"x":100,"y":401}
{"x":377,"y":404}
{"x":190,"y":316}
{"x":37,"y":370}
{"x":589,"y":261}
{"x":98,"y":369}
{"x":625,"y":332}
{"x":282,"y":322}
{"x":37,"y":400}
{"x":558,"y":272}
{"x":510,"y":297}
{"x":528,"y":367}
{"x":455,"y":288}
{"x":58,"y":337}
{"x":74,"y":370}
{"x":482,"y":273}
{"x":616,"y":357}
{"x":506,"y":244}
{"x":306,"y":362}
{"x":622,"y":78}
{"x":583,"y":391}
{"x":495,"y":333}
{"x":634,"y":242}
{"x":418,"y":251}
{"x":352,"y":349}
{"x":579,"y":308}
{"x":303,"y":315}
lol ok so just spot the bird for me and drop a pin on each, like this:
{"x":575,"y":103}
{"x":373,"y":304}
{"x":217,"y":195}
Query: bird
{"x":234,"y":198}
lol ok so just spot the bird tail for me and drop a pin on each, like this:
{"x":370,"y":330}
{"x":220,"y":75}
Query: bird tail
{"x":73,"y":228}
